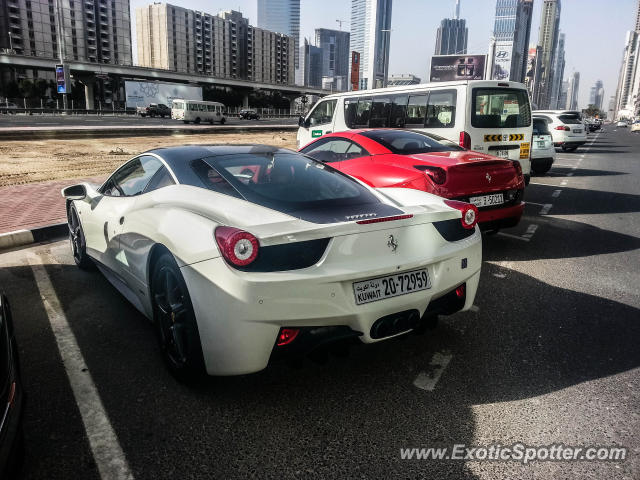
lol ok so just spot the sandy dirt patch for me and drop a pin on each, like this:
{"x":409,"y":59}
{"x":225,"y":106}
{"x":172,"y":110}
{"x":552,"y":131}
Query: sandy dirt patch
{"x":30,"y":161}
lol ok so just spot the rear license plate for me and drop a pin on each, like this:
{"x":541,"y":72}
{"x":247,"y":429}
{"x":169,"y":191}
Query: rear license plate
{"x":577,"y":130}
{"x":502,"y":153}
{"x":380,"y":288}
{"x":487,"y":200}
{"x":540,"y":144}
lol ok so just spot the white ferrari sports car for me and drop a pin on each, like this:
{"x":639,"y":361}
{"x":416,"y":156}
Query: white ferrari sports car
{"x":247,"y":253}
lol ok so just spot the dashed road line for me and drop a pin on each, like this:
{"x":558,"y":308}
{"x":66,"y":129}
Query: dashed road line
{"x":106,"y":450}
{"x":545,"y":209}
{"x":563,"y":183}
{"x":556,"y":193}
{"x":534,"y":203}
{"x":428,"y":380}
{"x":517,"y":237}
{"x":530,"y":231}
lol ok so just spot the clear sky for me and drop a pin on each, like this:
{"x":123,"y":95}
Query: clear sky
{"x":595,"y":31}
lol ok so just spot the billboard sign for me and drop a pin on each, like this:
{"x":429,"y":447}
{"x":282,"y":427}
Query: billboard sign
{"x":446,"y":68}
{"x":141,"y":94}
{"x":355,"y":70}
{"x":62,"y":79}
{"x":502,"y":61}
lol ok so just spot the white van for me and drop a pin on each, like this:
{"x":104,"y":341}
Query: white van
{"x":488,"y":116}
{"x":197,"y":111}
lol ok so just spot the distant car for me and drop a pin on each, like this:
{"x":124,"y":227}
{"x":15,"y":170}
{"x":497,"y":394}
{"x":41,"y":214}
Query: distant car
{"x":566,"y":128}
{"x":155,"y":110}
{"x":622,"y":124}
{"x":543,"y":153}
{"x":635,"y":127}
{"x":11,"y":396}
{"x":249,"y":115}
{"x":392,"y":158}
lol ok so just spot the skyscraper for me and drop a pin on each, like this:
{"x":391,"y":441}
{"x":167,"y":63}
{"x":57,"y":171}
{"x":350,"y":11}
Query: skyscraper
{"x":596,"y":96}
{"x":451,"y":38}
{"x":335,"y":57}
{"x":282,"y":16}
{"x":564,"y":94}
{"x":370,"y":37}
{"x":511,"y":31}
{"x":572,"y":93}
{"x":312,"y":65}
{"x":548,"y":42}
{"x":627,"y":101}
{"x":558,"y":74}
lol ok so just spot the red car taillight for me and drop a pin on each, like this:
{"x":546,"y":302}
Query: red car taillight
{"x":465,"y":140}
{"x":237,"y":246}
{"x":563,"y":127}
{"x":469,"y":212}
{"x":287,"y":335}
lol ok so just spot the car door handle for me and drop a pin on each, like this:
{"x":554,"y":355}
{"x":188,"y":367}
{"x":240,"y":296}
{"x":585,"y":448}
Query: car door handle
{"x":121,"y":220}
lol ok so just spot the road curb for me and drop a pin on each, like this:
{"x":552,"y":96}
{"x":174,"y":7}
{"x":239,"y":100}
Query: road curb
{"x":20,"y":238}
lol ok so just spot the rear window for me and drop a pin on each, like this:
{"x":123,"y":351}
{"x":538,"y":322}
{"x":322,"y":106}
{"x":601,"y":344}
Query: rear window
{"x":570,"y":119}
{"x":540,"y":127}
{"x":403,"y":142}
{"x":500,"y":108}
{"x":286,"y":182}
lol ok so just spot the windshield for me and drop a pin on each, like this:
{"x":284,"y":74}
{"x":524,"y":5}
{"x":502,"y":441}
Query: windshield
{"x":406,"y":142}
{"x":286,"y":182}
{"x":500,"y":108}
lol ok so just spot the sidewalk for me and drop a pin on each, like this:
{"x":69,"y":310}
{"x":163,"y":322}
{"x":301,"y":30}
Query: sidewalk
{"x":24,"y":207}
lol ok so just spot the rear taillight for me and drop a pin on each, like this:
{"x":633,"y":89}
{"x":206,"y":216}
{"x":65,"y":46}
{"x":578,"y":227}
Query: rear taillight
{"x":287,"y":335}
{"x":469,"y":212}
{"x":563,"y":127}
{"x":518,"y":167}
{"x":460,"y":291}
{"x":465,"y":140}
{"x":436,"y":174}
{"x":237,"y":246}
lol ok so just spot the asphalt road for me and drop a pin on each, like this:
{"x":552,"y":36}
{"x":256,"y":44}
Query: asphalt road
{"x":550,"y":355}
{"x":107,"y":120}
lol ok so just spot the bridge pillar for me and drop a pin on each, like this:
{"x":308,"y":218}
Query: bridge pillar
{"x":89,"y":95}
{"x":245,"y":100}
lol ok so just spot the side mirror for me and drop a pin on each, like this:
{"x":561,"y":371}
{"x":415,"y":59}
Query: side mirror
{"x":74,"y":192}
{"x":301,"y":121}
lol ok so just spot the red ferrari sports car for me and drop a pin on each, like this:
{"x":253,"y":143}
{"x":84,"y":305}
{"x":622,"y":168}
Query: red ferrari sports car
{"x":411,"y":159}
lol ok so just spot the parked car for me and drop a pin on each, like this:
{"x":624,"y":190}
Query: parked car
{"x":427,"y":162}
{"x":635,"y":127}
{"x":248,"y":115}
{"x":246,"y":253}
{"x":11,"y":396}
{"x":622,"y":124}
{"x":566,"y":128}
{"x":543,"y":153}
{"x":155,"y":110}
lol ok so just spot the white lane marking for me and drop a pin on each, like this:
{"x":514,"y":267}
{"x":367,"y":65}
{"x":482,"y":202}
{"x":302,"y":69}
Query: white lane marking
{"x":543,"y":184}
{"x":534,"y":203}
{"x":556,"y":193}
{"x":563,"y":183}
{"x":530,"y":231}
{"x":106,"y":450}
{"x":474,"y":308}
{"x":502,"y":234}
{"x":545,"y":209}
{"x":428,"y":380}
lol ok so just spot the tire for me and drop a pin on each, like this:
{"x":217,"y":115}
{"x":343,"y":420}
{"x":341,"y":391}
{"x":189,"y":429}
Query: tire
{"x":541,"y":168}
{"x":223,"y":121}
{"x":197,"y":121}
{"x":175,"y":321}
{"x":78,"y":242}
{"x":186,"y":122}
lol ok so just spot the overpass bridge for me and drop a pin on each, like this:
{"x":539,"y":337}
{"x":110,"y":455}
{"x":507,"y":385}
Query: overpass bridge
{"x":86,"y":71}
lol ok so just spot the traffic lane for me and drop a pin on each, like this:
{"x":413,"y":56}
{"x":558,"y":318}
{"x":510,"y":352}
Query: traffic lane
{"x":110,"y":120}
{"x":352,"y":416}
{"x":56,"y":446}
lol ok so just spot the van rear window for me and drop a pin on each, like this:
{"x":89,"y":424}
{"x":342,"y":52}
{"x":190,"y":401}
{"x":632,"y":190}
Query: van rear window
{"x":500,"y":108}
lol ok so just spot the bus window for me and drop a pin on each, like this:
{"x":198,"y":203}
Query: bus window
{"x":398,"y":111}
{"x":500,"y":108}
{"x":416,"y":110}
{"x":178,"y":105}
{"x":441,"y":110}
{"x":380,"y":109}
{"x":323,"y":113}
{"x":363,"y":111}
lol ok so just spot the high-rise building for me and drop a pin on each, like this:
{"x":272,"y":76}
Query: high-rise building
{"x":223,"y":45}
{"x":511,"y":31}
{"x":532,"y":78}
{"x":638,"y":17}
{"x":548,"y":43}
{"x":596,"y":96}
{"x":572,"y":92}
{"x":282,"y":16}
{"x":558,"y":74}
{"x":627,"y":100}
{"x":90,"y":31}
{"x":311,"y":65}
{"x":563,"y":97}
{"x":335,"y":58}
{"x":452,"y":35}
{"x":370,"y":38}
{"x":408,"y":79}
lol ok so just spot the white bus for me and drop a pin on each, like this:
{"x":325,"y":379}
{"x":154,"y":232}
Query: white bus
{"x":197,"y":111}
{"x":488,"y":116}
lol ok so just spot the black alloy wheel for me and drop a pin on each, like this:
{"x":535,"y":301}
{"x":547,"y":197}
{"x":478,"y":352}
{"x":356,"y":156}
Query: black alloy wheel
{"x":78,"y":242}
